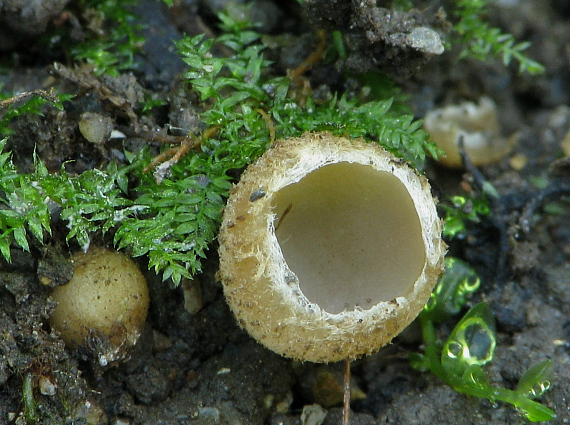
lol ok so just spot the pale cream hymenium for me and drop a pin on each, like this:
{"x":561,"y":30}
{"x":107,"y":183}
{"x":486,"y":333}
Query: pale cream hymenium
{"x":329,"y":247}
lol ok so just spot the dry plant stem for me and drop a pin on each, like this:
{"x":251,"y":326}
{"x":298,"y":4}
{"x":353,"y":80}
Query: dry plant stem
{"x":270,"y":126}
{"x":308,"y":63}
{"x":186,"y":144}
{"x":346,"y":395}
{"x":468,"y":164}
{"x":49,"y":96}
{"x":504,"y":239}
{"x":300,"y":87}
{"x":171,"y":156}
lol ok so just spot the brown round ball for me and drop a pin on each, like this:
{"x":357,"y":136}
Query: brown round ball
{"x":107,"y":299}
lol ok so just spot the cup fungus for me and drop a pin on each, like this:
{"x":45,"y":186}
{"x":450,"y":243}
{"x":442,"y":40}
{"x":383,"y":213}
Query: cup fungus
{"x":329,"y":247}
{"x":104,"y":305}
{"x":479,"y":127}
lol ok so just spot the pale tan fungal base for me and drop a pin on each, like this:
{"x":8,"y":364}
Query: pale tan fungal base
{"x":479,"y":127}
{"x":106,"y":300}
{"x":329,"y":247}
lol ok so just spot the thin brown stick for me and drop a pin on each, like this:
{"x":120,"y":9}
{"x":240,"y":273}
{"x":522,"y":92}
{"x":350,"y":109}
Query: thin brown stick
{"x":346,"y":398}
{"x":269,"y":123}
{"x":171,"y":156}
{"x":49,"y":96}
{"x":313,"y":58}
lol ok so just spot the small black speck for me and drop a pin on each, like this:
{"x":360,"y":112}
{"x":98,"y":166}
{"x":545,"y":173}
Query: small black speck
{"x":256,"y":194}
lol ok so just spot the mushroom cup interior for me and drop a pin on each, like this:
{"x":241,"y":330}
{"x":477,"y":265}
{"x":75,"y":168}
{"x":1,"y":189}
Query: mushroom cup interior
{"x":352,"y":236}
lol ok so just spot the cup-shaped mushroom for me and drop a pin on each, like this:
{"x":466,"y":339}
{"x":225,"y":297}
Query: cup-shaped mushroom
{"x":329,"y":247}
{"x":476,"y":124}
{"x":104,"y":307}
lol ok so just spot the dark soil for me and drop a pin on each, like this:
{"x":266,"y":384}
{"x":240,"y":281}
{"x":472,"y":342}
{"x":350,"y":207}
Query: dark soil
{"x":199,"y":367}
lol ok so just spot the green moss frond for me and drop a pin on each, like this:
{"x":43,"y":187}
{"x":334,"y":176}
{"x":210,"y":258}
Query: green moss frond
{"x":111,"y":48}
{"x":482,"y":41}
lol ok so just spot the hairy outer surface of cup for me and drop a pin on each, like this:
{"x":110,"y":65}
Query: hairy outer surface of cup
{"x":329,"y":247}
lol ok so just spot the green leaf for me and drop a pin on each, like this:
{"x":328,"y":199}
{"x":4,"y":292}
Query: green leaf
{"x":5,"y":242}
{"x":475,"y":382}
{"x":536,"y":380}
{"x":20,"y":238}
{"x":458,"y":282}
{"x":36,"y":228}
{"x":472,"y":341}
{"x":534,"y":412}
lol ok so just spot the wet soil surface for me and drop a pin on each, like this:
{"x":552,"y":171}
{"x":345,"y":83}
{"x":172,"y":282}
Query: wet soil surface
{"x":199,"y":367}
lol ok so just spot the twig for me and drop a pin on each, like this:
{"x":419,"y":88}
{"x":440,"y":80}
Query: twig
{"x":313,"y":58}
{"x":49,"y":96}
{"x":346,"y":398}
